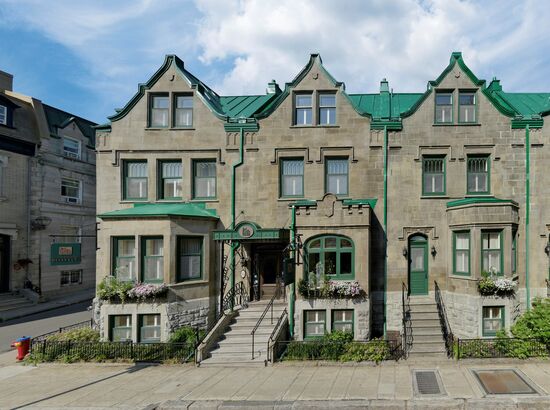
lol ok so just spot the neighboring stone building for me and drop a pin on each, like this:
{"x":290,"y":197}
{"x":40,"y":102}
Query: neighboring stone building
{"x":47,"y":197}
{"x":222,"y":198}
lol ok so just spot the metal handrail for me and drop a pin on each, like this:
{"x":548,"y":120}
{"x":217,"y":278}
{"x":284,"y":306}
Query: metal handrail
{"x":269,"y":305}
{"x":447,"y":332}
{"x":405,"y":301}
{"x":270,"y":340}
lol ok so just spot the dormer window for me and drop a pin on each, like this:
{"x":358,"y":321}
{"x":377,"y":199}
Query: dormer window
{"x":466,"y":107}
{"x":3,"y":115}
{"x":303,"y":109}
{"x":71,"y":148}
{"x":159,"y":111}
{"x":327,"y":109}
{"x":183,"y":111}
{"x":443,"y":107}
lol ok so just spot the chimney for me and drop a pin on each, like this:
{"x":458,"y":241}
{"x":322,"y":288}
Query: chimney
{"x":384,"y":86}
{"x":495,"y":85}
{"x":273,"y":88}
{"x":6,"y":81}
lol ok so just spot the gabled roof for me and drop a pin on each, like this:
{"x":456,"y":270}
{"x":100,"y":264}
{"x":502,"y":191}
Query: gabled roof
{"x":190,"y":210}
{"x":372,"y":105}
{"x":58,"y":119}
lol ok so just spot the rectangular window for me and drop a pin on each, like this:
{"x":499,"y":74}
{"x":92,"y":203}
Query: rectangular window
{"x":71,"y":148}
{"x":70,"y":190}
{"x":292,"y":177}
{"x":493,"y":320}
{"x":159,"y":111}
{"x":71,"y":277}
{"x":189,"y":258}
{"x":327,"y":109}
{"x":433,"y":176}
{"x":135,"y":180}
{"x":170,"y":179}
{"x":303,"y":109}
{"x":514,"y":252}
{"x":3,"y":114}
{"x":314,"y":325}
{"x":342,"y":321}
{"x":443,"y":108}
{"x":478,"y":177}
{"x":152,"y":250}
{"x":336,"y":176}
{"x":183,"y":111}
{"x":467,"y":107}
{"x":121,"y":328}
{"x":124,"y":259}
{"x":461,"y":242}
{"x":204,"y":179}
{"x":491,"y":252}
{"x":149,"y":328}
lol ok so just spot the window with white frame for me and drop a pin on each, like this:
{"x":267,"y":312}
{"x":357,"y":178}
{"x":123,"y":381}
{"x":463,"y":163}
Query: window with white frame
{"x":183,"y":111}
{"x":315,"y":323}
{"x":153,"y":260}
{"x":71,"y":148}
{"x":493,"y":320}
{"x":149,"y":328}
{"x":462,"y":253}
{"x":303,"y":109}
{"x":71,"y":277}
{"x":491,"y":252}
{"x":342,"y":320}
{"x":336,"y":180}
{"x":478,"y":174}
{"x":204,"y":179}
{"x":124,"y":259}
{"x":327,"y":109}
{"x":467,"y":107}
{"x":70,"y":190}
{"x":135,"y":180}
{"x":3,"y":114}
{"x":292,"y":177}
{"x":170,"y":180}
{"x":121,"y":328}
{"x":443,"y":107}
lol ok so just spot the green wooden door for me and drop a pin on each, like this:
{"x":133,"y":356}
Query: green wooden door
{"x":418,"y":265}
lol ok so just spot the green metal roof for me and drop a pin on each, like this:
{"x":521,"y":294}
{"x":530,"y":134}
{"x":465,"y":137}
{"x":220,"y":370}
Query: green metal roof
{"x":191,"y":210}
{"x":371,"y":202}
{"x":374,"y":104}
{"x":244,"y":106}
{"x":60,"y":119}
{"x":479,"y":200}
{"x":526,"y":104}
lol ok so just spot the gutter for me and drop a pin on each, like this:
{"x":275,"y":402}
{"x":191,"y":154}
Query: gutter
{"x":385,"y":224}
{"x":527,"y":212}
{"x":293,"y":284}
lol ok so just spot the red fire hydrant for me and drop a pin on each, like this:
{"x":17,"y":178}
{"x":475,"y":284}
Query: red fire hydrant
{"x":23,"y":345}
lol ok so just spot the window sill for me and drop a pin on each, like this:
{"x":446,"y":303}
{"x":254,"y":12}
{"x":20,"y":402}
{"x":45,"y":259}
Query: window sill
{"x":169,"y":129}
{"x":290,"y":198}
{"x":188,"y":283}
{"x":479,"y":195}
{"x":457,"y":124}
{"x":315,"y":126}
{"x":464,"y":277}
{"x":204,"y":200}
{"x":170,"y":200}
{"x":434,"y":197}
{"x":131,"y":201}
{"x":156,"y":128}
{"x":182,"y":128}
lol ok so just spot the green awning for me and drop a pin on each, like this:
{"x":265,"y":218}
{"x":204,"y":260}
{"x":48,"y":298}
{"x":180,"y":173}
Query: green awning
{"x":250,"y":231}
{"x":480,"y":200}
{"x":190,"y":210}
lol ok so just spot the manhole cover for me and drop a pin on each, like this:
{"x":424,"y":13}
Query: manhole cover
{"x":503,"y":381}
{"x":427,"y":382}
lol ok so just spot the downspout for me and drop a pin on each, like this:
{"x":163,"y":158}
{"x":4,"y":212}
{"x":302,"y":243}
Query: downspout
{"x":235,"y":245}
{"x":29,"y":193}
{"x":292,"y":285}
{"x":385,"y":223}
{"x":527,"y":212}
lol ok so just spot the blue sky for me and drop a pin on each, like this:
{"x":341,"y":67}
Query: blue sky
{"x":88,"y":56}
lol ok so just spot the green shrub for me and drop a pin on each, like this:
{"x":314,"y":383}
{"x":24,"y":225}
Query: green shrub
{"x":534,"y":323}
{"x":374,"y":351}
{"x":486,"y":286}
{"x":85,"y":334}
{"x":186,"y":334}
{"x":110,"y":288}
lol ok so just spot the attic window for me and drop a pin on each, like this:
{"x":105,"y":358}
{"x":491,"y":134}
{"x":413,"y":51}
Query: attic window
{"x":443,"y":107}
{"x":327,"y":109}
{"x":159,"y":111}
{"x":183,"y":111}
{"x":303,"y":109}
{"x":3,"y":115}
{"x":467,"y":107}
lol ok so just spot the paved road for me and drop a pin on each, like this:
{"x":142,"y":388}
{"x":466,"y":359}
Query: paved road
{"x":42,"y":323}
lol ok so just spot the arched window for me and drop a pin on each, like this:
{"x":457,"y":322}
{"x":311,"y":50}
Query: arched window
{"x":331,"y":256}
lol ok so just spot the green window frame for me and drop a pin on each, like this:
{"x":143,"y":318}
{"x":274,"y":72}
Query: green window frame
{"x":315,"y":323}
{"x":123,"y":264}
{"x":478,"y":175}
{"x":327,"y":108}
{"x":159,"y":110}
{"x":342,"y":320}
{"x":291,"y":178}
{"x":514,"y":251}
{"x":135,"y":180}
{"x":204,"y":179}
{"x":170,"y":179}
{"x":492,"y":318}
{"x":120,"y":328}
{"x":190,"y":258}
{"x":183,"y":111}
{"x":337,"y":176}
{"x":491,"y":251}
{"x":149,"y":328}
{"x":467,"y":107}
{"x":331,"y":256}
{"x":152,"y":259}
{"x":303,"y":109}
{"x":434,"y":178}
{"x":461,"y":253}
{"x":443,"y":107}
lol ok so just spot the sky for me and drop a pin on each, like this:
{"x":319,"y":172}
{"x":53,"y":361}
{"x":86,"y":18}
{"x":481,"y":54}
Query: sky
{"x":88,"y":56}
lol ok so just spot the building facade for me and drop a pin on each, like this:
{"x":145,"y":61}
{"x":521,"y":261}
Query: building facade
{"x":47,"y":200}
{"x":344,"y":203}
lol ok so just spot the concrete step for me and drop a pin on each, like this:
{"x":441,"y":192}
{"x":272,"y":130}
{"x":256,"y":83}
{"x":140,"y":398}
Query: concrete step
{"x":426,"y":330}
{"x":241,"y":339}
{"x":222,"y":362}
{"x":420,"y":338}
{"x":428,"y":348}
{"x":253,"y":319}
{"x":242,"y":330}
{"x":432,"y":355}
{"x":242,"y":354}
{"x":415,"y":323}
{"x":424,"y":307}
{"x":424,"y":315}
{"x":14,"y":303}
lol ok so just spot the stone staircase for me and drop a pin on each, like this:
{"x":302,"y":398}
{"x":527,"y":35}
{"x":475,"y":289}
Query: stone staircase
{"x":10,"y":301}
{"x":427,"y":337}
{"x":235,"y":346}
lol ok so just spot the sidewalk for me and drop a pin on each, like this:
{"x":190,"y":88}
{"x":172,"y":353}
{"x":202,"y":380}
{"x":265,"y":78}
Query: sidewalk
{"x":54,"y":303}
{"x":283,"y":386}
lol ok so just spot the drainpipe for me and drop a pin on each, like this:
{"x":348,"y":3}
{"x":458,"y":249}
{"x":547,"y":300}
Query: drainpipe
{"x":385,"y":222}
{"x":235,"y":245}
{"x":292,"y":285}
{"x":527,"y":212}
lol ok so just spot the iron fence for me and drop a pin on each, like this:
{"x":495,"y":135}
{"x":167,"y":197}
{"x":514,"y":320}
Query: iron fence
{"x":373,"y":350}
{"x":49,"y":351}
{"x":445,"y":325}
{"x":80,"y":325}
{"x":500,"y":347}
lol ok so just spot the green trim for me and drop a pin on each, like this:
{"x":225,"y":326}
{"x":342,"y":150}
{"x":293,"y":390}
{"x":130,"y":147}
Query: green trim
{"x":527,"y":211}
{"x":471,"y":158}
{"x":502,"y":321}
{"x":114,"y":253}
{"x":179,"y":240}
{"x":352,"y":322}
{"x":455,"y":272}
{"x":371,"y":202}
{"x":306,"y":337}
{"x":336,"y":158}
{"x":141,"y":327}
{"x":257,"y":233}
{"x":303,"y":202}
{"x":521,"y":123}
{"x":125,"y":177}
{"x":281,"y":176}
{"x":385,"y":279}
{"x":150,"y":99}
{"x":241,"y":124}
{"x":446,"y":92}
{"x":427,"y":158}
{"x":194,"y":164}
{"x":391,"y":125}
{"x":143,"y":256}
{"x":337,"y":250}
{"x":475,"y":121}
{"x":147,"y":210}
{"x":112,"y":326}
{"x":483,"y":250}
{"x":480,"y":200}
{"x":161,"y":178}
{"x":292,"y":285}
{"x":514,"y":252}
{"x":423,"y":244}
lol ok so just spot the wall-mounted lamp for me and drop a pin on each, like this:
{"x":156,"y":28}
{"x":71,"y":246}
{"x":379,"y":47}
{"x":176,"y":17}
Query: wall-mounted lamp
{"x":405,"y":251}
{"x":434,"y":251}
{"x":547,"y":248}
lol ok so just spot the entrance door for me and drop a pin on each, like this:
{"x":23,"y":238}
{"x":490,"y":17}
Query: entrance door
{"x":4,"y":263}
{"x":270,"y":269}
{"x":418,"y":265}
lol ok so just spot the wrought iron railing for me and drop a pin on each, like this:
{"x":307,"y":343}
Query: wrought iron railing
{"x":271,"y":339}
{"x":407,"y":325}
{"x":267,"y":308}
{"x":500,"y":347}
{"x":445,"y":325}
{"x":79,"y":325}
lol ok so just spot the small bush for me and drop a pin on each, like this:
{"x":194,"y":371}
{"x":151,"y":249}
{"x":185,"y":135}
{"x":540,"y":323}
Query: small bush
{"x":85,"y":334}
{"x":374,"y":351}
{"x":186,"y":334}
{"x":110,"y":288}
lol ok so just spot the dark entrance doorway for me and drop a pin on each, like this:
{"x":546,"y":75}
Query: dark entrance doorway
{"x":267,"y":270}
{"x":4,"y":263}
